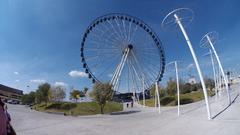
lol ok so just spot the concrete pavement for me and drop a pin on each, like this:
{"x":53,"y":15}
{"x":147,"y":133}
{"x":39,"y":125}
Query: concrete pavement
{"x":140,"y":121}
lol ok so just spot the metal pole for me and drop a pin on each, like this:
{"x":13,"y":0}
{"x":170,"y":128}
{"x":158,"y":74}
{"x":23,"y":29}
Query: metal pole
{"x":158,"y":97}
{"x":221,"y":68}
{"x":196,"y":63}
{"x":214,"y":72}
{"x":178,"y":91}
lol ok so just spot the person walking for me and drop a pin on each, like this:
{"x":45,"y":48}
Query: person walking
{"x":7,"y":114}
{"x":3,"y":119}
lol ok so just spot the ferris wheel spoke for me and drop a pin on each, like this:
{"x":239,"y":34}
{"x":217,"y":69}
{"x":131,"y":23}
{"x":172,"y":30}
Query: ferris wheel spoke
{"x":134,"y":86}
{"x":134,"y":78}
{"x":91,"y":58}
{"x":129,"y":28}
{"x":133,"y":33}
{"x":139,"y":65}
{"x":102,"y":33}
{"x":141,"y":76}
{"x":117,"y":42}
{"x":135,"y":72}
{"x":119,"y":28}
{"x":152,"y":67}
{"x":150,"y":53}
{"x":152,"y":74}
{"x":101,"y":49}
{"x":104,"y":42}
{"x":119,"y":37}
{"x":109,"y":30}
{"x":100,"y":62}
{"x":144,"y":75}
{"x":124,"y":29}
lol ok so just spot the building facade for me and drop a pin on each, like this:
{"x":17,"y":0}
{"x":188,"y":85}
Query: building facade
{"x":10,"y":93}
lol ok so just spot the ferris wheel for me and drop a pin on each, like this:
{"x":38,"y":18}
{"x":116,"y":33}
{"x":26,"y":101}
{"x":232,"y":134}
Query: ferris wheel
{"x":124,"y":51}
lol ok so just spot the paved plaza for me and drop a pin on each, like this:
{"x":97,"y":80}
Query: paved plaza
{"x":135,"y":121}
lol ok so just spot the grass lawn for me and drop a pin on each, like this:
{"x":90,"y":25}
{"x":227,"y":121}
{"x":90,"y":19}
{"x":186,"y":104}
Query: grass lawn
{"x":86,"y":108}
{"x":194,"y":96}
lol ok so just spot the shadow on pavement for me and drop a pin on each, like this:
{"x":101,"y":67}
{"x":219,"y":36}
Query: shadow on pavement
{"x":124,"y":113}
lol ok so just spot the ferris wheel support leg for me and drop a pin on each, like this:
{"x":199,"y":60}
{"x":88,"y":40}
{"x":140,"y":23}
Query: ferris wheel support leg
{"x":155,"y":98}
{"x":116,"y":71}
{"x":115,"y":80}
{"x":178,"y":91}
{"x":143,"y":93}
{"x":220,"y":81}
{"x":214,"y":74}
{"x":196,"y":63}
{"x":158,"y":97}
{"x":221,"y":68}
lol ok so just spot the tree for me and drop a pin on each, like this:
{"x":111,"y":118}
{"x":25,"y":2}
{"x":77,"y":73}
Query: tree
{"x":43,"y":93}
{"x":162,"y":91}
{"x":186,"y":88}
{"x":209,"y":83}
{"x":58,"y":93}
{"x":28,"y":98}
{"x":171,"y":87}
{"x":75,"y":94}
{"x":85,"y":90}
{"x":102,"y":92}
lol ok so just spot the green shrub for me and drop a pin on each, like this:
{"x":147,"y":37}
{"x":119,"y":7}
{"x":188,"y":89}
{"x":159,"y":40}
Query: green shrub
{"x":167,"y":100}
{"x":54,"y":106}
{"x":62,"y":106}
{"x":184,"y":101}
{"x":68,"y":106}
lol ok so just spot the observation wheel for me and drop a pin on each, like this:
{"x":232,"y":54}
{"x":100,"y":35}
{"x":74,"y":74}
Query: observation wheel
{"x":124,"y":51}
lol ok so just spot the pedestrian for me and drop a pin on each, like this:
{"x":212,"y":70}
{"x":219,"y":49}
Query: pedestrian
{"x":3,"y":119}
{"x":10,"y":130}
{"x":127,"y":105}
{"x":7,"y":114}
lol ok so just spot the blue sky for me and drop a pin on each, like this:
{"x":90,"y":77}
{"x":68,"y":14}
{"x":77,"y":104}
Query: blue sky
{"x":40,"y":39}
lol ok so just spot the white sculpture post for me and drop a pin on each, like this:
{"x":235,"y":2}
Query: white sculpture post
{"x":177,"y":81}
{"x":214,"y":73}
{"x":173,"y":18}
{"x":221,"y":68}
{"x":178,"y":91}
{"x":158,"y":97}
{"x":196,"y":63}
{"x":207,"y":41}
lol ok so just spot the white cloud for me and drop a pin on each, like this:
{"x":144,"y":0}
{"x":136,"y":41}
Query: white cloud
{"x":38,"y":81}
{"x":190,"y":66}
{"x":16,"y":73}
{"x":63,"y":84}
{"x":17,"y":80}
{"x":75,"y":73}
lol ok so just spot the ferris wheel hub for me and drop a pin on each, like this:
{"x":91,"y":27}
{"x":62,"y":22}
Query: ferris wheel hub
{"x":130,"y":46}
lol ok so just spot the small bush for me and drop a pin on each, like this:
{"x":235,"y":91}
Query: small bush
{"x":167,"y":100}
{"x":184,"y":101}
